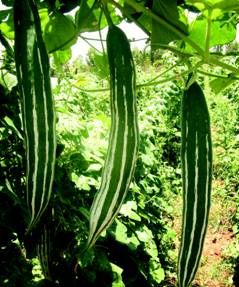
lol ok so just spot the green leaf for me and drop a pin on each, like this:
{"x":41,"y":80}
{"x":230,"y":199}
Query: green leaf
{"x":9,"y":80}
{"x":129,"y":209}
{"x":222,"y":32}
{"x":101,"y":63}
{"x":11,"y":124}
{"x":94,"y":167}
{"x":89,"y":18}
{"x":156,"y":271}
{"x":143,"y":19}
{"x":117,"y":271}
{"x":218,"y":85}
{"x":168,"y":10}
{"x":4,"y":14}
{"x":44,"y":17}
{"x":61,"y":57}
{"x":83,"y":182}
{"x":59,"y":33}
{"x":228,"y":5}
{"x":86,"y":20}
{"x":120,"y":232}
{"x":6,"y":26}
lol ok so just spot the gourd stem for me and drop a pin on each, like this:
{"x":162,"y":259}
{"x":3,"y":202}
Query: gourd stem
{"x":106,"y":12}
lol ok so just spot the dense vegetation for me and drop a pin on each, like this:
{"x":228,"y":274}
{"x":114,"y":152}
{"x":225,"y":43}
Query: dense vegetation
{"x":141,"y":246}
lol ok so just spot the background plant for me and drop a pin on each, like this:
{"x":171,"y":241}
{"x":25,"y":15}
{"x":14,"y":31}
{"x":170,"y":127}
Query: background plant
{"x":143,"y":230}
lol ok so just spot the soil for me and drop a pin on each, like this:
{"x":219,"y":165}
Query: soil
{"x":212,"y":260}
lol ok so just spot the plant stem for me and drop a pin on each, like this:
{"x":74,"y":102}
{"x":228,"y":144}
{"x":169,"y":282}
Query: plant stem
{"x":215,"y":75}
{"x":150,"y":83}
{"x":106,"y":12}
{"x":210,"y":59}
{"x":166,"y":24}
{"x":83,"y":38}
{"x":214,"y":61}
{"x":208,"y":36}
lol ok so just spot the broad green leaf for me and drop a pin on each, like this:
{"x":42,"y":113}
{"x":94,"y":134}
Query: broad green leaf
{"x":217,"y":7}
{"x":44,"y":17}
{"x":168,"y":10}
{"x":117,"y":271}
{"x":9,"y":80}
{"x":59,"y":33}
{"x":6,"y":26}
{"x":222,"y":32}
{"x":203,"y":4}
{"x":85,"y":18}
{"x":228,"y":5}
{"x":101,"y":63}
{"x":219,"y":84}
{"x":79,"y":162}
{"x":83,"y":182}
{"x":119,"y":231}
{"x":4,"y":14}
{"x":61,"y":57}
{"x":129,"y":209}
{"x":156,"y":271}
{"x":11,"y":124}
{"x":94,"y":167}
{"x":141,"y":18}
{"x":89,"y":17}
{"x":7,"y":30}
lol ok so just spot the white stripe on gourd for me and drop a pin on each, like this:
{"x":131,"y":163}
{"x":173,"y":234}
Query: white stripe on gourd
{"x":197,"y":169}
{"x":123,"y":141}
{"x":32,"y":65}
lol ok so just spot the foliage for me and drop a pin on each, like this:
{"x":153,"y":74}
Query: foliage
{"x":139,"y":247}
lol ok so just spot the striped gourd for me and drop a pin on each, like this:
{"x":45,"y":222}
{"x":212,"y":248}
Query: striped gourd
{"x":43,"y":249}
{"x":32,"y":65}
{"x":123,"y":140}
{"x":196,"y":156}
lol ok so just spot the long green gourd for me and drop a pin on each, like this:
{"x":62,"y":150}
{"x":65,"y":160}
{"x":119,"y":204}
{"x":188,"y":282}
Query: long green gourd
{"x":123,"y":141}
{"x":196,"y":157}
{"x":43,"y":249}
{"x":32,"y":65}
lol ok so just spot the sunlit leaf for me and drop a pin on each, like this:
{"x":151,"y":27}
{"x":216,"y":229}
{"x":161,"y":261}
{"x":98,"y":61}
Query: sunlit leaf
{"x":219,"y":84}
{"x":11,"y":124}
{"x":44,"y":17}
{"x":156,"y":271}
{"x":101,"y":63}
{"x":9,"y":80}
{"x":6,"y":26}
{"x":129,"y":209}
{"x":59,"y":33}
{"x":222,"y":32}
{"x":61,"y":57}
